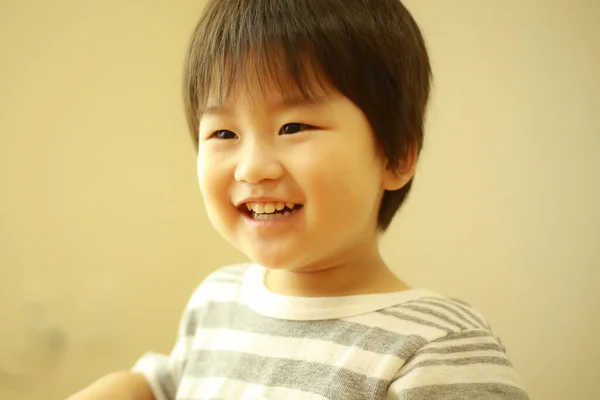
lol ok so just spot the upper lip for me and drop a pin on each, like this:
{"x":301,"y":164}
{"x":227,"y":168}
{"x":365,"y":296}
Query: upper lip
{"x":261,"y":200}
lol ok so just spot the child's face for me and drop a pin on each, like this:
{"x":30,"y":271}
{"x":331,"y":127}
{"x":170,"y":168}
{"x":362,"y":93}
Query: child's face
{"x":265,"y":150}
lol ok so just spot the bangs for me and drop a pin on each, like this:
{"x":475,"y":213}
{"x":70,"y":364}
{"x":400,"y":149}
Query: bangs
{"x":265,"y":44}
{"x":262,"y":69}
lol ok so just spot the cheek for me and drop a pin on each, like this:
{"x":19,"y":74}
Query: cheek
{"x":338,"y":182}
{"x":211,"y":180}
{"x":201,"y":172}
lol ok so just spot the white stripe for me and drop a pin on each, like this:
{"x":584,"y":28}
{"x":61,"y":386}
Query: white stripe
{"x":178,"y":354}
{"x":464,"y":342}
{"x":149,"y":365}
{"x":461,"y":307}
{"x":182,"y":347}
{"x":214,"y":292}
{"x":231,"y":271}
{"x":394,"y":324}
{"x":223,"y":388}
{"x":464,"y":374}
{"x":301,"y":349}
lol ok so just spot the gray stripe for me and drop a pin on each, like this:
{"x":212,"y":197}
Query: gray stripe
{"x":240,"y":317}
{"x":462,"y":348}
{"x":459,"y":301}
{"x":227,"y":275}
{"x":165,"y":380}
{"x":437,"y":314}
{"x":476,"y":391}
{"x":405,"y":317}
{"x":237,"y":271}
{"x":193,"y":315}
{"x":190,"y":322}
{"x":446,"y":307}
{"x":326,"y":380}
{"x":461,"y":306}
{"x":459,"y":362}
{"x":466,"y":335}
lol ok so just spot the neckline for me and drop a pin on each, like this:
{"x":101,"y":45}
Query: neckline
{"x":273,"y":305}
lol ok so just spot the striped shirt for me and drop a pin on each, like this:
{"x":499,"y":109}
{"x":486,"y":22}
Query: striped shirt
{"x":238,"y":340}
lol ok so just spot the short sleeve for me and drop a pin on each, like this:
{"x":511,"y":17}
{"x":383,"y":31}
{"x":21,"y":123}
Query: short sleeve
{"x":470,"y":364}
{"x":163,"y":372}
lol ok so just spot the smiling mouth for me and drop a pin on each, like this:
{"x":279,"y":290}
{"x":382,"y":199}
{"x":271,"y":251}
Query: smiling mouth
{"x":265,"y":211}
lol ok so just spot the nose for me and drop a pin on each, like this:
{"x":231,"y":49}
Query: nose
{"x":257,"y":162}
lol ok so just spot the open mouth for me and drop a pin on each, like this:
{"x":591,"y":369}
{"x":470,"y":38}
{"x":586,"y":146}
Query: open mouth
{"x":269,"y":210}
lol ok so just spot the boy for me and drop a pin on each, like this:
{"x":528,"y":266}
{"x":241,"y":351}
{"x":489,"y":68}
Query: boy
{"x":308,"y":120}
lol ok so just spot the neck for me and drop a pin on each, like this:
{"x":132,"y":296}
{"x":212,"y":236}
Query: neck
{"x":365,"y":275}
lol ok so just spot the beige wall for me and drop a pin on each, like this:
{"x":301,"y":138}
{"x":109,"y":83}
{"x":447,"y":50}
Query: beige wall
{"x":102,"y":232}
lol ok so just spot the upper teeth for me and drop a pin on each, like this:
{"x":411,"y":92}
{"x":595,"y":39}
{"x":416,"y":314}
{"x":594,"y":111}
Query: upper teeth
{"x":268,"y":208}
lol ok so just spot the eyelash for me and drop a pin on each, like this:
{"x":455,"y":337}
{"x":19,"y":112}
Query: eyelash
{"x":303,"y":127}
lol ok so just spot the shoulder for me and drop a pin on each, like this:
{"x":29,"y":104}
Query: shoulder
{"x":459,"y":351}
{"x":434,"y":316}
{"x":228,"y":273}
{"x":220,"y":285}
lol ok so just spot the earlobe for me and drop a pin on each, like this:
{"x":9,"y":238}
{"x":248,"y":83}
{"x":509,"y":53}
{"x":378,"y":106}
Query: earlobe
{"x":396,"y":180}
{"x":395,"y":177}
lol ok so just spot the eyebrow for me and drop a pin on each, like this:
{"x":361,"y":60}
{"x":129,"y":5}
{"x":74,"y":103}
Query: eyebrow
{"x":287,"y":102}
{"x":214,"y":109}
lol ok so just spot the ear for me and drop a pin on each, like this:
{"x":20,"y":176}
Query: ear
{"x":396,"y":176}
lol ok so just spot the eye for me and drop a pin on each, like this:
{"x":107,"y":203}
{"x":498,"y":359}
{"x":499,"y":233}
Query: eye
{"x":223,"y":134}
{"x":290,"y":129}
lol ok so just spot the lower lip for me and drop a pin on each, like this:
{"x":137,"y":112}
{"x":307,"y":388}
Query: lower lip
{"x":272,"y":222}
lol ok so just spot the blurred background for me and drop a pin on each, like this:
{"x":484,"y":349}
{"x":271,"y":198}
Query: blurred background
{"x":103,"y":235}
